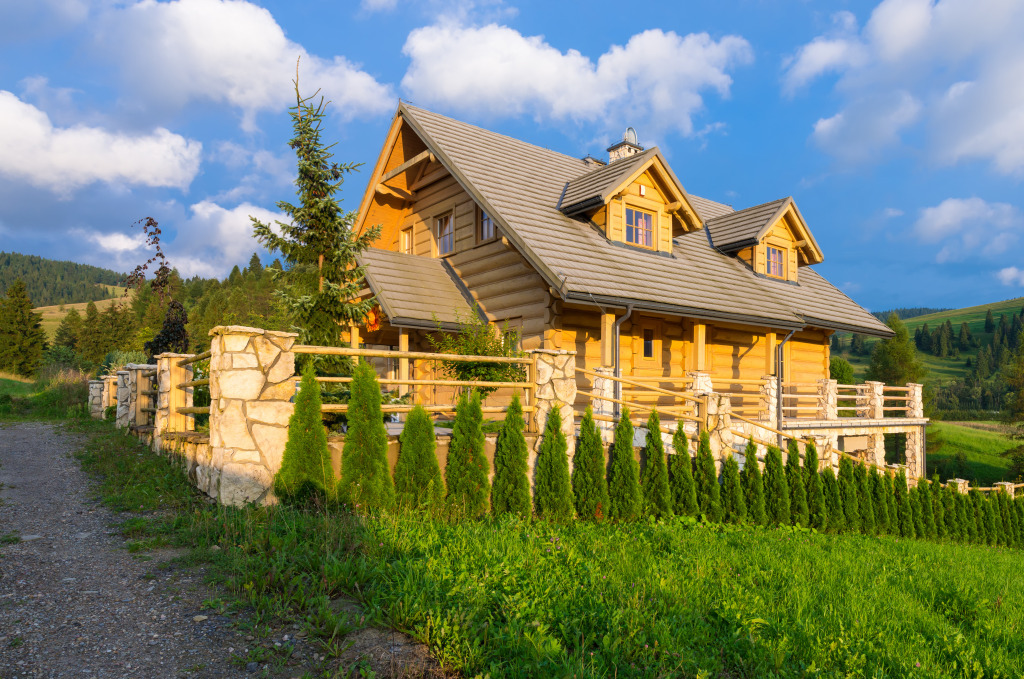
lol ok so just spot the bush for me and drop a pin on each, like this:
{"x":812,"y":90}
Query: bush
{"x":709,"y":494}
{"x":917,"y":518}
{"x":836,"y":517}
{"x":753,"y":486}
{"x":817,"y":515}
{"x":890,"y":499}
{"x":938,"y":509}
{"x":851,"y":497}
{"x":623,"y":486}
{"x":365,"y":477}
{"x":798,"y":509}
{"x":904,"y":515}
{"x":879,"y":502}
{"x":867,"y":510}
{"x":776,"y":490}
{"x":510,"y":493}
{"x":965,"y":512}
{"x":927,"y":511}
{"x":418,"y":483}
{"x":117,"y":360}
{"x":654,"y":479}
{"x":466,"y":473}
{"x":734,"y":507}
{"x":684,"y":492}
{"x":306,"y":473}
{"x":552,"y":494}
{"x":589,"y":485}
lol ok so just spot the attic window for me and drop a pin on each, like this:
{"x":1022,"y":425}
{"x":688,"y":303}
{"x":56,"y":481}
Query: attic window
{"x":445,"y":235}
{"x":486,"y":227}
{"x":639,"y":227}
{"x":775,"y":259}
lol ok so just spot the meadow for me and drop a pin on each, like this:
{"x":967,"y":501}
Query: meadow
{"x":981,"y":449}
{"x":53,"y":315}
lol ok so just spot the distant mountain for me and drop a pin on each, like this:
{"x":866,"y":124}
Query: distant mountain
{"x":904,"y":314}
{"x":50,"y":282}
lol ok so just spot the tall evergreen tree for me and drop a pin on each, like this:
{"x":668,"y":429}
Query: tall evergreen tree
{"x":734,"y":506}
{"x":799,"y":510}
{"x":69,"y":330}
{"x":684,"y":491}
{"x":893,"y":360}
{"x":467,"y":470}
{"x":776,"y":490}
{"x":306,"y":471}
{"x":589,"y":485}
{"x":709,"y":494}
{"x":510,"y":493}
{"x":836,"y":518}
{"x":418,"y":482}
{"x":22,"y":340}
{"x":879,"y":502}
{"x":365,"y":476}
{"x":867,"y":507}
{"x":990,"y":323}
{"x":905,"y":515}
{"x":654,"y":478}
{"x":552,"y":493}
{"x":851,"y":496}
{"x":623,"y":485}
{"x":323,"y":279}
{"x":817,"y":514}
{"x":753,"y":486}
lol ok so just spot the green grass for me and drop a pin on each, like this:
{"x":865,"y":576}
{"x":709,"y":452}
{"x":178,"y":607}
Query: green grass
{"x":15,"y":386}
{"x":981,"y":449}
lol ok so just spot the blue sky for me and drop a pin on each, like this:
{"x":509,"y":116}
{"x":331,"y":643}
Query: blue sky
{"x":898,"y":126}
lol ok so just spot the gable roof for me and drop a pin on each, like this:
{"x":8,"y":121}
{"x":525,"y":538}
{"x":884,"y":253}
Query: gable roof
{"x":416,"y":292}
{"x":521,"y":184}
{"x":595,"y":187}
{"x":734,"y":230}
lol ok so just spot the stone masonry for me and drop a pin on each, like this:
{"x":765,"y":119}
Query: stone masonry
{"x":96,"y":399}
{"x":124,"y":405}
{"x":555,"y":380}
{"x":251,"y":390}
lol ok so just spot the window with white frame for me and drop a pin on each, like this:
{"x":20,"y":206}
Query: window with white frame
{"x":639,"y":227}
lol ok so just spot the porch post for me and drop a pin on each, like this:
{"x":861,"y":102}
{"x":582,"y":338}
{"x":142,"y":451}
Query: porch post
{"x":1006,"y":487}
{"x":607,"y":340}
{"x":915,"y":452}
{"x":915,"y":401}
{"x":555,"y":387}
{"x":828,"y":400}
{"x":605,"y":387}
{"x":719,"y":410}
{"x":769,"y":400}
{"x":403,"y":362}
{"x":875,"y":400}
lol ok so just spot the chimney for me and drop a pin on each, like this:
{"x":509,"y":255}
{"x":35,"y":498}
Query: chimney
{"x":625,"y":148}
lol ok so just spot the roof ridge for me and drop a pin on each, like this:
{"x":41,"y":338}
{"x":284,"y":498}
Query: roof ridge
{"x":752,"y":207}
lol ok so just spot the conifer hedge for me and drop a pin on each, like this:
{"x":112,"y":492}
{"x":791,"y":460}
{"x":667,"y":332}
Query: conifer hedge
{"x":684,"y":491}
{"x":799,"y":510}
{"x":623,"y":484}
{"x":467,"y":470}
{"x":418,"y":482}
{"x":776,"y":490}
{"x":753,"y":486}
{"x":709,"y":494}
{"x":833,"y":502}
{"x":365,"y":475}
{"x":867,"y":506}
{"x":879,"y":502}
{"x":654,"y":479}
{"x":589,"y":485}
{"x":306,"y":471}
{"x":817,"y":515}
{"x":552,"y":492}
{"x":904,"y":516}
{"x":734,"y":506}
{"x":510,"y":493}
{"x":851,"y":498}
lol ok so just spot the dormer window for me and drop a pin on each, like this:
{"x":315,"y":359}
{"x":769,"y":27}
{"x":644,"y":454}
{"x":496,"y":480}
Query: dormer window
{"x":775,"y":266}
{"x":639,"y":227}
{"x":445,"y":235}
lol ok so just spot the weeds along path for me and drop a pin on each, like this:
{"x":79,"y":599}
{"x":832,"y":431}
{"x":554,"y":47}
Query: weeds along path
{"x":73,"y":601}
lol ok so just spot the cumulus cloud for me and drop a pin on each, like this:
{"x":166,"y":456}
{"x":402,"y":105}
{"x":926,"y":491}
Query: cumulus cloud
{"x":495,"y":70}
{"x":225,"y":235}
{"x":1011,"y":275}
{"x":231,"y":52}
{"x":63,"y":159}
{"x":961,"y":61}
{"x":969,"y":225}
{"x":866,"y":127}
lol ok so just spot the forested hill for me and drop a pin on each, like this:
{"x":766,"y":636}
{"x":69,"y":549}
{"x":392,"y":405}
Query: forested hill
{"x":904,"y":314}
{"x":50,"y":282}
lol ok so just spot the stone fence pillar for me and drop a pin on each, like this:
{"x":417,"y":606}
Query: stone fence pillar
{"x":604,"y":386}
{"x":961,"y":485}
{"x":915,"y":452}
{"x":124,"y":404}
{"x":171,"y":397}
{"x":701,"y":382}
{"x":251,"y":392}
{"x":1007,"y":487}
{"x":876,"y":400}
{"x":554,"y":377}
{"x":768,"y":403}
{"x":915,"y":401}
{"x":828,"y":400}
{"x":137,"y":398}
{"x":109,"y":391}
{"x":719,"y":427}
{"x":96,"y":399}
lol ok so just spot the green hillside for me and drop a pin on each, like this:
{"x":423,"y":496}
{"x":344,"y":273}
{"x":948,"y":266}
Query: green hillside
{"x":50,"y":282}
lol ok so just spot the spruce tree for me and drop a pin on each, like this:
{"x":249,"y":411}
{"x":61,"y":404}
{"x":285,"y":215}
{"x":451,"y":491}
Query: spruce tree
{"x":552,"y":492}
{"x":734,"y":506}
{"x":418,"y":482}
{"x":937,"y":508}
{"x":851,"y":496}
{"x":905,"y":515}
{"x":466,"y":473}
{"x":92,"y":343}
{"x":709,"y":494}
{"x":776,"y":490}
{"x":990,"y":323}
{"x":867,"y":507}
{"x":753,"y":486}
{"x":69,"y":330}
{"x":684,"y":491}
{"x":589,"y":485}
{"x":835,"y":516}
{"x":799,"y":511}
{"x":623,"y":486}
{"x":654,"y":480}
{"x":22,"y":340}
{"x":879,"y":502}
{"x":816,"y":513}
{"x":365,"y":477}
{"x":306,"y":473}
{"x":510,"y":493}
{"x":894,"y":360}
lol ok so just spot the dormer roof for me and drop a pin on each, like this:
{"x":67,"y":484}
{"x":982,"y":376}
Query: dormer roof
{"x":594,"y":188}
{"x":732,"y":231}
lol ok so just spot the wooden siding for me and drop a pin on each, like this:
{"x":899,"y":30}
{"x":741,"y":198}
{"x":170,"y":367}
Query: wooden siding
{"x":779,"y":236}
{"x":807,"y":357}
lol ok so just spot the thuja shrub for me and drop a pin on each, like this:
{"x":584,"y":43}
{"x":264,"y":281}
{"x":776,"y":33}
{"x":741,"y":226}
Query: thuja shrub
{"x":654,"y":479}
{"x":924,"y":499}
{"x":890,"y":500}
{"x":833,"y":502}
{"x":510,"y":493}
{"x":851,"y":498}
{"x":589,"y":485}
{"x":904,"y":515}
{"x":938,"y":508}
{"x":466,"y":473}
{"x":709,"y":495}
{"x":418,"y":483}
{"x":552,"y":493}
{"x":306,"y":471}
{"x":623,"y":484}
{"x":776,"y":490}
{"x":734,"y":507}
{"x":684,"y":490}
{"x":365,"y":477}
{"x":798,"y":509}
{"x":817,"y":516}
{"x":917,"y":518}
{"x":753,"y":486}
{"x":879,"y":502}
{"x":965,"y":514}
{"x":949,"y":510}
{"x":867,"y":507}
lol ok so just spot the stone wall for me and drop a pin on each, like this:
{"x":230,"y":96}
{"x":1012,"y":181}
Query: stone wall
{"x":555,"y":380}
{"x":124,"y":405}
{"x":96,"y":399}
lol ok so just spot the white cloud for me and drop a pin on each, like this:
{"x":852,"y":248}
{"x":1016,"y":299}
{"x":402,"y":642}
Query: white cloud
{"x":231,"y":52}
{"x":225,"y":235}
{"x":378,"y":5}
{"x":961,"y":60}
{"x":1011,"y":275}
{"x":865,"y":128}
{"x":64,"y":159}
{"x":498,"y":71}
{"x":892,"y":212}
{"x":969,"y":225}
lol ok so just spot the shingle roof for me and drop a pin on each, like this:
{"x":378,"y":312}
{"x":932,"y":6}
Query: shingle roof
{"x":745,"y":226}
{"x":595,"y":185}
{"x":415,"y":291}
{"x":520,"y":184}
{"x":708,"y":209}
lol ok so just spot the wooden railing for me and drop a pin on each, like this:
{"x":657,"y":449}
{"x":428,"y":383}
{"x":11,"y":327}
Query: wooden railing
{"x":852,"y":400}
{"x":188,"y":384}
{"x":895,"y":400}
{"x":641,"y":396}
{"x":745,"y":394}
{"x":799,"y":400}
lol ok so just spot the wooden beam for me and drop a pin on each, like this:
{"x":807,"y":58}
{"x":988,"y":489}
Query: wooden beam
{"x":403,"y":362}
{"x":427,"y":179}
{"x":769,"y":354}
{"x":607,"y":340}
{"x":399,"y":193}
{"x":353,"y":335}
{"x":412,"y":162}
{"x":699,"y":346}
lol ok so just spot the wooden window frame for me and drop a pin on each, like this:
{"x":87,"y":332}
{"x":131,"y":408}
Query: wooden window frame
{"x":481,"y":218}
{"x":438,"y":219}
{"x":652,"y":243}
{"x":656,"y":360}
{"x":407,"y":234}
{"x":783,"y":256}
